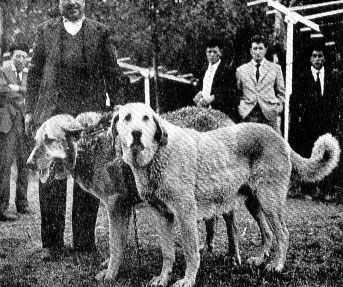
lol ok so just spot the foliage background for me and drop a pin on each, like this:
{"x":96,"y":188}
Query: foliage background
{"x":182,"y":28}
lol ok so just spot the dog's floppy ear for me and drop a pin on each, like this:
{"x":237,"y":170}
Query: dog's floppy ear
{"x":161,"y":135}
{"x":115,"y":118}
{"x":113,"y":129}
{"x":112,"y":133}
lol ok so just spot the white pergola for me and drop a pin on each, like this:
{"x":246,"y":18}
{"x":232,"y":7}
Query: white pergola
{"x":292,"y":18}
{"x":149,"y":73}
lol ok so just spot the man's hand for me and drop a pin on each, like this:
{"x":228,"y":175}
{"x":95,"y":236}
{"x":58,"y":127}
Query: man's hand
{"x":200,"y":101}
{"x":197,"y":99}
{"x":28,"y":125}
{"x":14,"y":88}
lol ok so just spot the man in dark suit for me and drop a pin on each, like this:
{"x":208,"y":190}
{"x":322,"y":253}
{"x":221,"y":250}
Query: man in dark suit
{"x":261,"y":87}
{"x":313,"y":105}
{"x":72,"y":68}
{"x":217,"y":82}
{"x":13,"y":141}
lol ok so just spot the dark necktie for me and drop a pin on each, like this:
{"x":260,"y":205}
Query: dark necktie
{"x":257,"y":71}
{"x":318,"y":85}
{"x":18,"y":79}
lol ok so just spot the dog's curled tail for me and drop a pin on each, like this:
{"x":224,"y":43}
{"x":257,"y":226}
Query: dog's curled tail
{"x":324,"y":158}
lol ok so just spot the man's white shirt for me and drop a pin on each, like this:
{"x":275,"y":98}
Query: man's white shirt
{"x":20,"y":74}
{"x":208,"y":80}
{"x":73,"y":27}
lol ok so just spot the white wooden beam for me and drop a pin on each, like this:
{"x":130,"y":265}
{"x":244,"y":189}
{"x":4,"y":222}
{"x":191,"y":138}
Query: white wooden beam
{"x":305,"y":29}
{"x":331,"y":43}
{"x":293,"y":16}
{"x":317,"y":36}
{"x":150,"y":73}
{"x":256,"y":2}
{"x":190,"y":75}
{"x":124,"y":59}
{"x":314,"y":6}
{"x":324,"y":14}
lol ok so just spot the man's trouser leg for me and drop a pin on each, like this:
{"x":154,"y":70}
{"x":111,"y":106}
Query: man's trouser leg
{"x":52,"y":198}
{"x":22,"y":154}
{"x":6,"y":158}
{"x":85,"y":211}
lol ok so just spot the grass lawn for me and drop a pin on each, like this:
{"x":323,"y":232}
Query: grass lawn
{"x":315,"y":255}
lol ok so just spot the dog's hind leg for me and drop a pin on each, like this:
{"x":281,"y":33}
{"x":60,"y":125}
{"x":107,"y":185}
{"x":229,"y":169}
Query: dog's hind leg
{"x":254,"y":207}
{"x":165,"y":231}
{"x":119,"y":218}
{"x":273,"y":213}
{"x":232,"y":236}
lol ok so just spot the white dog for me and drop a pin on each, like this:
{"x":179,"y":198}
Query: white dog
{"x":187,"y":175}
{"x":80,"y":147}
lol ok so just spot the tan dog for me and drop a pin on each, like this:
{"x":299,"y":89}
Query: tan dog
{"x":192,"y":175}
{"x":80,"y":147}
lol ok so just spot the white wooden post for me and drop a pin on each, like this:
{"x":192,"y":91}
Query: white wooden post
{"x":289,"y":74}
{"x":291,"y":19}
{"x":147,"y":90}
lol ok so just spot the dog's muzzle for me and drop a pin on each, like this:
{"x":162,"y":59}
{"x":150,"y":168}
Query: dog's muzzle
{"x":136,"y":145}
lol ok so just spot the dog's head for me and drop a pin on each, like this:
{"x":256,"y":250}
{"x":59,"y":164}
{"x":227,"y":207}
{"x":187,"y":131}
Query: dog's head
{"x":140,"y":131}
{"x":55,"y":147}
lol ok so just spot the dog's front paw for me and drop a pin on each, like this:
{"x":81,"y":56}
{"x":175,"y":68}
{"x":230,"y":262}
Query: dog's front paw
{"x":101,"y":276}
{"x":256,"y":261}
{"x":274,"y":267}
{"x":185,"y":282}
{"x":158,"y":281}
{"x":105,"y":277}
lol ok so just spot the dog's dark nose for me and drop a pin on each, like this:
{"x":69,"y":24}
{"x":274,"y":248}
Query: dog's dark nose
{"x":136,"y":135}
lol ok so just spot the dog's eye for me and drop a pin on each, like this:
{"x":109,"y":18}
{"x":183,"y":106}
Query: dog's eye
{"x":128,"y":117}
{"x":48,"y":140}
{"x":145,"y":118}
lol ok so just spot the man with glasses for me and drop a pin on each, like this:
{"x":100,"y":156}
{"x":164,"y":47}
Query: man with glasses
{"x":261,"y":87}
{"x":217,"y":82}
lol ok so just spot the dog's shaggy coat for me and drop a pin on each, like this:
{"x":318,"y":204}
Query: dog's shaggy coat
{"x":80,"y":147}
{"x":200,"y":175}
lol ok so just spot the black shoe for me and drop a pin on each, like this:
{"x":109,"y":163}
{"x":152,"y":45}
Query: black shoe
{"x":24,"y":210}
{"x":51,"y":254}
{"x":46,"y":254}
{"x":7,"y":216}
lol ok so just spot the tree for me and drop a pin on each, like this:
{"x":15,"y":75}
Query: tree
{"x":182,"y":28}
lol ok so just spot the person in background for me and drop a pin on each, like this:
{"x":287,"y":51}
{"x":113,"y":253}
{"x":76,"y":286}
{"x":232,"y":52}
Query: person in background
{"x":313,"y":108}
{"x":217,"y":82}
{"x":13,"y":142}
{"x":261,"y":87}
{"x":72,"y":68}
